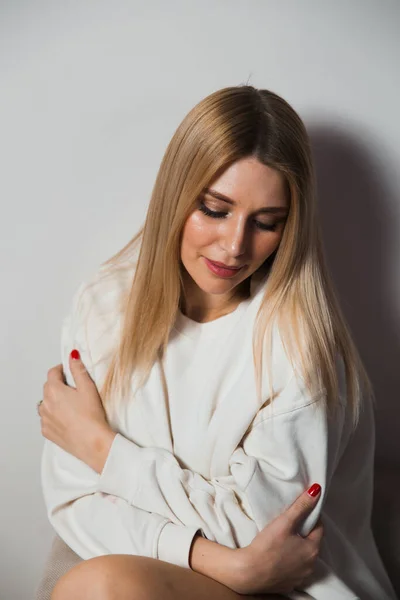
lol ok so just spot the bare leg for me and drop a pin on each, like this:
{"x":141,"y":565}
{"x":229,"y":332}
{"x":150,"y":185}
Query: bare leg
{"x":125,"y":577}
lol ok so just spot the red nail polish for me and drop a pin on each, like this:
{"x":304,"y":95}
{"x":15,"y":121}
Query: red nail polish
{"x":314,"y":490}
{"x":75,"y":355}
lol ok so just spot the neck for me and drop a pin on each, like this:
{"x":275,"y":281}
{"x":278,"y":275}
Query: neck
{"x":196,"y":307}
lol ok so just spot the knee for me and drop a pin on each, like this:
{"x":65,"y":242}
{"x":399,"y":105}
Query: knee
{"x":89,"y":580}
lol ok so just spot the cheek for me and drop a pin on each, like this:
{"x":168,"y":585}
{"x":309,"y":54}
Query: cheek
{"x":196,"y":233}
{"x":265,"y":246}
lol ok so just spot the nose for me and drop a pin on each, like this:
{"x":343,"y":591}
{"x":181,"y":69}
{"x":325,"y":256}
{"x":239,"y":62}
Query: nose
{"x":233,"y":239}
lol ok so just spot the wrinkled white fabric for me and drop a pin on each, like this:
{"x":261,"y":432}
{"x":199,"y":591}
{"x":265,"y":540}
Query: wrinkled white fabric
{"x":181,"y":462}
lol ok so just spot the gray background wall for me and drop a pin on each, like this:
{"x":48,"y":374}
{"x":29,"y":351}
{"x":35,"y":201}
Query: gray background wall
{"x":91,"y":92}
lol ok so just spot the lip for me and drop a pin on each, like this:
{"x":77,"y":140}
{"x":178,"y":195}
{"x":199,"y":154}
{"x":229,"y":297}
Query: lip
{"x":221,"y":271}
{"x":223,"y":266}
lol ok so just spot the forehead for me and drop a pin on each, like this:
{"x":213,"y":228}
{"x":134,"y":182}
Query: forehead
{"x":249,"y":181}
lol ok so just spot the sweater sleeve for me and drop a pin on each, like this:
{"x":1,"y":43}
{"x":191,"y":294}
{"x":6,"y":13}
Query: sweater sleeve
{"x":278,"y":459}
{"x":93,"y":522}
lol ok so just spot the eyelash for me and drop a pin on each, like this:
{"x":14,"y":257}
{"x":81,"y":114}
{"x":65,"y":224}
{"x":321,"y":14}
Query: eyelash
{"x":221,"y":215}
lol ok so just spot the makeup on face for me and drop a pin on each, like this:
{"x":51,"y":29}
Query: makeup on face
{"x":221,"y":271}
{"x":238,"y":222}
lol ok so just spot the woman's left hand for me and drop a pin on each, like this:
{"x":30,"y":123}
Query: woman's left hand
{"x":75,"y":419}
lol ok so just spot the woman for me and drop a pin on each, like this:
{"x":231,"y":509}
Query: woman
{"x":215,"y":380}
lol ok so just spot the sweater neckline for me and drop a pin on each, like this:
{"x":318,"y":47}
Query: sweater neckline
{"x":211,"y":329}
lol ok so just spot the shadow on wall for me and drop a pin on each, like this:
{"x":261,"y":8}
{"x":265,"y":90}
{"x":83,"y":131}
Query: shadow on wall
{"x":359,"y":232}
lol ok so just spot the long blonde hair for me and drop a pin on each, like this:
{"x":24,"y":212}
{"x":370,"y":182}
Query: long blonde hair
{"x":230,"y":124}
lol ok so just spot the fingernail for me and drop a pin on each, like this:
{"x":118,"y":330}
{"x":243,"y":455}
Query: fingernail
{"x":75,"y":355}
{"x":314,"y":490}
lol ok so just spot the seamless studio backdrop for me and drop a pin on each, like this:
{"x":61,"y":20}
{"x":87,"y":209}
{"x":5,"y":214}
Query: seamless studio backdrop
{"x":91,"y":93}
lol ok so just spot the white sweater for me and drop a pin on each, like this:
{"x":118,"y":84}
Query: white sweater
{"x":181,"y":462}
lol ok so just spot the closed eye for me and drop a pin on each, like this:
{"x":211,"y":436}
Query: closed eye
{"x":221,"y":215}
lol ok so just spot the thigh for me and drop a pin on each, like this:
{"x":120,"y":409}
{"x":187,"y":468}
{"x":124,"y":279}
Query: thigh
{"x":125,"y":577}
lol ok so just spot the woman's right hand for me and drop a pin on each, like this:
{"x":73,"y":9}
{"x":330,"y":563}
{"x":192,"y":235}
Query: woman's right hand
{"x":279,"y":560}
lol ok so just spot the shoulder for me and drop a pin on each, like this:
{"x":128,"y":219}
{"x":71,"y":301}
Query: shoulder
{"x":290,"y":387}
{"x":102,"y":291}
{"x":96,"y":309}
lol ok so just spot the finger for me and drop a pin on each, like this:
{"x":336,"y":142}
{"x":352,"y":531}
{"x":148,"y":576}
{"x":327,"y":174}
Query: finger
{"x":318,"y":525}
{"x":55,"y":374}
{"x":303,"y":506}
{"x":317,"y":533}
{"x":78,"y":369}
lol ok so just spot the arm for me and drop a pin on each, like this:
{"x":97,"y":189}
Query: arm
{"x":280,"y":456}
{"x":233,"y":522}
{"x":90,"y":521}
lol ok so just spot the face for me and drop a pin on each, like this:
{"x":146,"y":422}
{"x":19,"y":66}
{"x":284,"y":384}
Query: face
{"x":239,"y":221}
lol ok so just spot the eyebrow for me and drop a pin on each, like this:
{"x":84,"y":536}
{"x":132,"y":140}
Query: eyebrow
{"x":267,"y":209}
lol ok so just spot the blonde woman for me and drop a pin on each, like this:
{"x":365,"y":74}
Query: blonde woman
{"x":210,"y":380}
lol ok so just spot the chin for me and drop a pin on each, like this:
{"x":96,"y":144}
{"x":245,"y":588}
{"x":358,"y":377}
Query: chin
{"x":209,"y":285}
{"x":214,"y":286}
